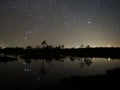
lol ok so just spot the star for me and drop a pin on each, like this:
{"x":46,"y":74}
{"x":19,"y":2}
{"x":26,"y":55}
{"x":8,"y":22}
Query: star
{"x":89,"y":22}
{"x":28,"y":32}
{"x":40,"y":17}
{"x":31,"y":15}
{"x":13,"y":7}
{"x":25,"y":38}
{"x":5,"y":22}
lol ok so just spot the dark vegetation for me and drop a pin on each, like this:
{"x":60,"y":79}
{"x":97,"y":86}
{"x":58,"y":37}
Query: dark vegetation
{"x":6,"y":58}
{"x":83,"y":52}
{"x":48,"y":51}
{"x":109,"y":81}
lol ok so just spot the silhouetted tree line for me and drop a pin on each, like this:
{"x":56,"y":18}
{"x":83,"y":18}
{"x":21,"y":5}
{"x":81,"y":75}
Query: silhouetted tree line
{"x":45,"y":50}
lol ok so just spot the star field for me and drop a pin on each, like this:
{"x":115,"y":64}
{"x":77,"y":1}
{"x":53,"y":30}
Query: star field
{"x":68,"y":22}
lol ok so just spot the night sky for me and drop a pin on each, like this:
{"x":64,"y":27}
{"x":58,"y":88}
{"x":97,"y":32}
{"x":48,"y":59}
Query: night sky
{"x":67,"y":22}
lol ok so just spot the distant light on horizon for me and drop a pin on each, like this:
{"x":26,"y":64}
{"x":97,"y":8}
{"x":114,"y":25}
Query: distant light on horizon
{"x":109,"y":46}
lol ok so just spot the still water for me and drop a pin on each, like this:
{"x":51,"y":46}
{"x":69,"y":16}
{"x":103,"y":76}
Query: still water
{"x":42,"y":73}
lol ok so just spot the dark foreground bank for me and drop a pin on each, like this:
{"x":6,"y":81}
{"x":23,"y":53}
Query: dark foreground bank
{"x":57,"y":52}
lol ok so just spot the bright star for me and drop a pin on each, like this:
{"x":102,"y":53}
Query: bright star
{"x":89,"y":22}
{"x":25,"y":38}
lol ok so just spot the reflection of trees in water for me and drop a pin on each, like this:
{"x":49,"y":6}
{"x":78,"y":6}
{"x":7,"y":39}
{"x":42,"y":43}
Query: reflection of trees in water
{"x":88,"y":61}
{"x":35,"y":74}
{"x":46,"y":62}
{"x":82,"y":61}
{"x":72,"y":58}
{"x":43,"y":67}
{"x":82,"y":64}
{"x":28,"y":66}
{"x":85,"y":61}
{"x":27,"y":61}
{"x":40,"y":71}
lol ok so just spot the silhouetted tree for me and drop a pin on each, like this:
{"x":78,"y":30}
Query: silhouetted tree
{"x":88,"y":46}
{"x":49,"y":47}
{"x":62,"y":46}
{"x":81,"y":46}
{"x":73,"y":48}
{"x":37,"y":47}
{"x":28,"y":47}
{"x":44,"y":43}
{"x":57,"y":47}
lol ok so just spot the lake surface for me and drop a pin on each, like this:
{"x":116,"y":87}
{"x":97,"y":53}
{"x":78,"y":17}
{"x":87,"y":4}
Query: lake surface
{"x":27,"y":74}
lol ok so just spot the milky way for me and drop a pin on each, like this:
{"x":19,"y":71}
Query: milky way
{"x":68,"y":22}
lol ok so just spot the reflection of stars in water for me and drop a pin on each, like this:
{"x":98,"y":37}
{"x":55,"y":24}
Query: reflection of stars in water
{"x":24,"y":63}
{"x":38,"y":78}
{"x":27,"y":69}
{"x":109,"y":59}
